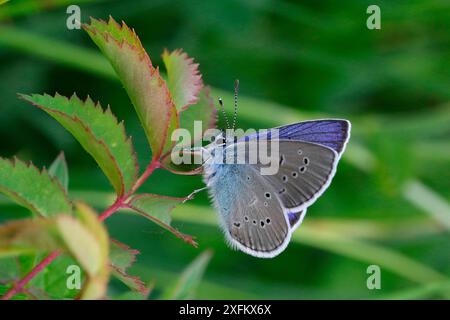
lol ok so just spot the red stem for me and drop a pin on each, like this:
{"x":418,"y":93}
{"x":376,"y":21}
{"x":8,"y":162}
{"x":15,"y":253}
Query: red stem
{"x":113,"y":208}
{"x":155,"y":164}
{"x":117,"y":205}
{"x":18,"y":286}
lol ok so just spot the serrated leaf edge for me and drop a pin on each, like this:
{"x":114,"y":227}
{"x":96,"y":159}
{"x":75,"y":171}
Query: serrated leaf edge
{"x":89,"y":131}
{"x":42,"y":172}
{"x":141,"y":288}
{"x":195,"y":72}
{"x":133,"y":252}
{"x":154,"y":71}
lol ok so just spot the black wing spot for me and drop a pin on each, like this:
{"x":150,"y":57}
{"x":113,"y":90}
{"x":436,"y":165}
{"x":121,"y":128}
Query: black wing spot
{"x":246,"y":218}
{"x":248,"y":178}
{"x":265,"y":204}
{"x":305,"y":160}
{"x":299,"y":151}
{"x":237,"y":224}
{"x":281,"y":160}
{"x":282,"y":191}
{"x":262,"y":224}
{"x":254,"y":221}
{"x":302,"y":169}
{"x":267,"y":195}
{"x":294,"y":174}
{"x":285,"y":179}
{"x":267,"y":220}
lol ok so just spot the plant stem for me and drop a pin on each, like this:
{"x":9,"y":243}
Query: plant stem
{"x":113,"y":208}
{"x":117,"y":205}
{"x":155,"y":164}
{"x":18,"y":286}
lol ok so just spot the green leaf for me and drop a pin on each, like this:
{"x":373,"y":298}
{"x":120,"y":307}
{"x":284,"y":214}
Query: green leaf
{"x":190,"y":279}
{"x":60,"y":170}
{"x":184,"y":79}
{"x":35,"y":190}
{"x":84,"y":238}
{"x":204,"y":111}
{"x":121,"y":258}
{"x":98,"y":273}
{"x":9,"y":270}
{"x":157,"y":209}
{"x":132,"y":282}
{"x":3,"y":1}
{"x":51,"y":283}
{"x":98,"y":132}
{"x":145,"y":87}
{"x":4,"y":289}
{"x":157,"y":206}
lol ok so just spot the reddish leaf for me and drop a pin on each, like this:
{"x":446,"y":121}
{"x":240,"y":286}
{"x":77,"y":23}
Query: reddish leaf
{"x":145,"y":87}
{"x":184,"y":79}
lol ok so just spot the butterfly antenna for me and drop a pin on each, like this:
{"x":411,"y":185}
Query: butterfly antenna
{"x":236,"y":91}
{"x":223,"y":112}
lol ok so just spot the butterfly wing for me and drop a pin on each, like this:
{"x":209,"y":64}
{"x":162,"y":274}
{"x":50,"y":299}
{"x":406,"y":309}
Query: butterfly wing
{"x":251,"y":214}
{"x":332,"y":133}
{"x":259,"y":212}
{"x":305,"y":171}
{"x":295,"y":218}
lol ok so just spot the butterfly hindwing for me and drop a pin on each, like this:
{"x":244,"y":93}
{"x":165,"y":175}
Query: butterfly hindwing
{"x":295,"y":218}
{"x":252,"y":215}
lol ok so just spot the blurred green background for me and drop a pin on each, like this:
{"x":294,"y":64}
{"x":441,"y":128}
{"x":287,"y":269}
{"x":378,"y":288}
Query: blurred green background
{"x":389,"y":202}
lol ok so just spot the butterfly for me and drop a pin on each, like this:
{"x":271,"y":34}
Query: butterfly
{"x":258,"y":213}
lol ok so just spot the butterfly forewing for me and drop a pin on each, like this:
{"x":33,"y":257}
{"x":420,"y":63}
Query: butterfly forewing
{"x":332,"y":133}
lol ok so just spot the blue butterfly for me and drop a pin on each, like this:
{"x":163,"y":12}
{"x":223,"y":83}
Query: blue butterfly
{"x":258,"y":213}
